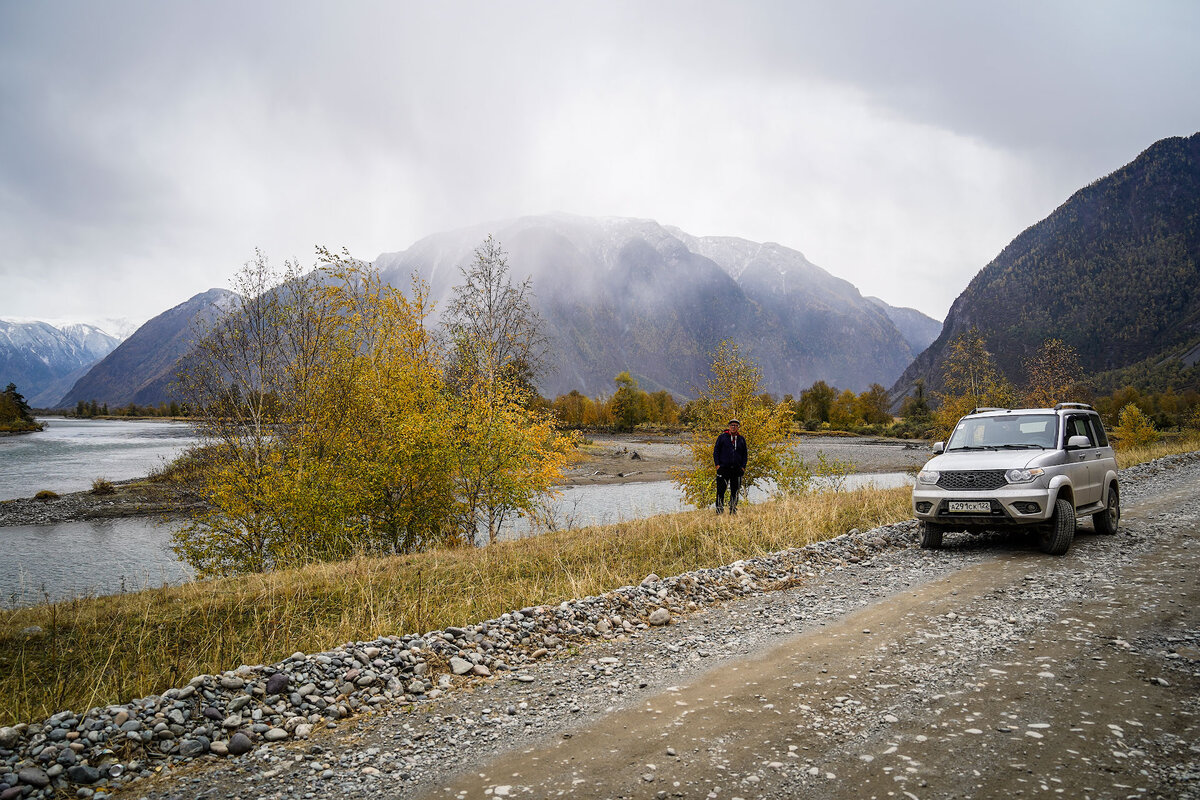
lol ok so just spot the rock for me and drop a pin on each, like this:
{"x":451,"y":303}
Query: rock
{"x":481,"y":671}
{"x":83,"y":773}
{"x":460,"y":666}
{"x":650,"y":579}
{"x":277,"y":682}
{"x":190,"y":748}
{"x":34,"y":776}
{"x":275,"y":734}
{"x":239,"y":744}
{"x":11,"y":793}
{"x":303,"y":730}
{"x":9,"y":738}
{"x":219,"y":748}
{"x":231,"y":682}
{"x":659,"y":616}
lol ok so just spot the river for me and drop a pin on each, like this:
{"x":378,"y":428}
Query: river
{"x":71,"y":453}
{"x":71,"y":559}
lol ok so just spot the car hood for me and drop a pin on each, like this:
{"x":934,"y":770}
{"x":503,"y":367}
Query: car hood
{"x":986,"y":459}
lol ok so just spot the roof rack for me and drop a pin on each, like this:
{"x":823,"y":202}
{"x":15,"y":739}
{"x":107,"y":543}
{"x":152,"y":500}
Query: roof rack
{"x":982,"y":409}
{"x":1060,"y":406}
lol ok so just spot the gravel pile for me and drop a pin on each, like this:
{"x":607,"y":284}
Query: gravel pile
{"x":238,"y":711}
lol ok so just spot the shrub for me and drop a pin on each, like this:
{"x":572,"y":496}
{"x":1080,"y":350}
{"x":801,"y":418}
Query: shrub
{"x":45,"y":495}
{"x":1134,"y":429}
{"x":102,"y":486}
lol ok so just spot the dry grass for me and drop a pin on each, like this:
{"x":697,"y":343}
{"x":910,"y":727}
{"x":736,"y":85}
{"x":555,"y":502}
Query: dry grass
{"x":1169,"y":444}
{"x":97,"y":651}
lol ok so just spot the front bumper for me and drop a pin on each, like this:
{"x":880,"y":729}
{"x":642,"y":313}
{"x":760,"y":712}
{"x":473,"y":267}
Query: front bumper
{"x":1008,"y":505}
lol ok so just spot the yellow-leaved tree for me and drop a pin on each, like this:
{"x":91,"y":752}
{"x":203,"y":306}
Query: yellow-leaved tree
{"x":329,"y":426}
{"x":732,"y":393}
{"x":1134,"y":428}
{"x":972,"y":380}
{"x":1052,"y":374}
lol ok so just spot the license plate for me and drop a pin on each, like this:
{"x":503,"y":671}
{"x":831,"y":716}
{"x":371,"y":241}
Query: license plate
{"x":970,"y":507}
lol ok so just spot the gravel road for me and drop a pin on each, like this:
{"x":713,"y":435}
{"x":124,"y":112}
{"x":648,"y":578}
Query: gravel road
{"x":985,"y":669}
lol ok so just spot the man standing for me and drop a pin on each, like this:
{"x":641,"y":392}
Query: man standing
{"x":729,"y":454}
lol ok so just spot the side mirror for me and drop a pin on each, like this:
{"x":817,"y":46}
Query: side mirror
{"x":1078,"y":443}
{"x":939,"y":448}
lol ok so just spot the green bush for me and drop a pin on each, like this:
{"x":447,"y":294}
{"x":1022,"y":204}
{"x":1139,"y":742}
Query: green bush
{"x":103,"y":486}
{"x":45,"y":495}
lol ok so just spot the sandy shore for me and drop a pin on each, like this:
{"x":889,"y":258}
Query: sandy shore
{"x":632,"y":459}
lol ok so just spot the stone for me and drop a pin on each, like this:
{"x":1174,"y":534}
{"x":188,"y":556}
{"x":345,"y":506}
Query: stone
{"x":34,"y":776}
{"x":275,"y":734}
{"x":219,"y":748}
{"x":460,"y":666}
{"x":239,"y":744}
{"x":277,"y":682}
{"x":659,"y":616}
{"x":9,"y":738}
{"x":231,"y":682}
{"x":481,"y":671}
{"x":83,"y":773}
{"x":190,"y":748}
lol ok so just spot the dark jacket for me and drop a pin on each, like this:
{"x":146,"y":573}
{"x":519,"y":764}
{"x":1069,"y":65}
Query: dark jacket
{"x":729,"y":455}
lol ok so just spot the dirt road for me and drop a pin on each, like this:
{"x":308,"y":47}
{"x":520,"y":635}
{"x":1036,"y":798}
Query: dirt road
{"x":986,"y":669}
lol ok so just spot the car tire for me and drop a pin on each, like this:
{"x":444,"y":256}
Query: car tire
{"x":1056,"y":539}
{"x":1105,"y":522}
{"x":931,"y":536}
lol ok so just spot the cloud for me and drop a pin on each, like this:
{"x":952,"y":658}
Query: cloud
{"x":149,"y":148}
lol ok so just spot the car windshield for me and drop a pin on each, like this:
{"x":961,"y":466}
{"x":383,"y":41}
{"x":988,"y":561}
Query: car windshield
{"x":1010,"y":431}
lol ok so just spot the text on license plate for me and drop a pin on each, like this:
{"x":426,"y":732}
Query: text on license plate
{"x":970,"y":506}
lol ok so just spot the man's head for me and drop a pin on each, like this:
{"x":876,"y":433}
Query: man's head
{"x":734,"y":425}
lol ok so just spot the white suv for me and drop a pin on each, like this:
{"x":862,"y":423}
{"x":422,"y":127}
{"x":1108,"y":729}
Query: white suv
{"x":1027,"y":466}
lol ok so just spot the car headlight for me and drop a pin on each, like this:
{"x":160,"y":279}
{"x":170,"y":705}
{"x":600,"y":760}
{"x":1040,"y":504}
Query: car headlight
{"x":1023,"y":475}
{"x":928,"y":476}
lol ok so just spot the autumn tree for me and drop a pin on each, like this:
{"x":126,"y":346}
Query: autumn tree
{"x":1134,"y":429}
{"x":972,"y":380}
{"x":329,"y":429}
{"x":730,"y":393}
{"x":1052,"y":374}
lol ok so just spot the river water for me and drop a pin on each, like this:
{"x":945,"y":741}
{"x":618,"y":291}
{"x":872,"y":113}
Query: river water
{"x":71,"y":453}
{"x":71,"y":559}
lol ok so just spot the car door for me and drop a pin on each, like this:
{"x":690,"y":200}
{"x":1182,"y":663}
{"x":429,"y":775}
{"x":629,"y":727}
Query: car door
{"x":1082,"y":464}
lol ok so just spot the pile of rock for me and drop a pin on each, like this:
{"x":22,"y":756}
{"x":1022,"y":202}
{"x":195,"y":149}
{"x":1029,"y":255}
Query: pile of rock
{"x":235,"y":712}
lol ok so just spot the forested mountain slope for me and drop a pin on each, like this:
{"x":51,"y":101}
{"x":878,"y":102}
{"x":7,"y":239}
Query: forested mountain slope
{"x":1113,"y":272}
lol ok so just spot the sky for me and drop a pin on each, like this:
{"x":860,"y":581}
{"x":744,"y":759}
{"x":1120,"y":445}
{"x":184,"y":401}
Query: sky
{"x":147,"y":148}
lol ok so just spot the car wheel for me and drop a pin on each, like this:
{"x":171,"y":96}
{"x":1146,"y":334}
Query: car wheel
{"x":1056,"y":539}
{"x":931,"y":536}
{"x":1106,"y":521}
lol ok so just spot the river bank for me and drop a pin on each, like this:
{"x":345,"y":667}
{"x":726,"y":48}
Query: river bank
{"x":608,"y":459}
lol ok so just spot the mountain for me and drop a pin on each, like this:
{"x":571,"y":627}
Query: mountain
{"x":39,"y":357}
{"x":1114,"y":272}
{"x":142,"y":368}
{"x":918,"y":329}
{"x":619,"y":294}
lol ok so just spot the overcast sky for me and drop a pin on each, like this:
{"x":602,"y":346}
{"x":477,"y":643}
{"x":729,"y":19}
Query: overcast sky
{"x":147,"y":148}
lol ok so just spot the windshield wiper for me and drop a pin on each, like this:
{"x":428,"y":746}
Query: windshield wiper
{"x":971,"y":447}
{"x":1022,"y":446}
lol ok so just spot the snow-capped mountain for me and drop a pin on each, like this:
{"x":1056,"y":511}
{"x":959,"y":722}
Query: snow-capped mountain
{"x":40,"y":358}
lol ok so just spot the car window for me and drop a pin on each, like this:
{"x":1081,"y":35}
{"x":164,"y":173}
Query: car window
{"x":1099,"y":437}
{"x":1078,"y":426}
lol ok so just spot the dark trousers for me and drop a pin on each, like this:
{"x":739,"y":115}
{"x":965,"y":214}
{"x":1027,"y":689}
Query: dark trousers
{"x":734,"y":483}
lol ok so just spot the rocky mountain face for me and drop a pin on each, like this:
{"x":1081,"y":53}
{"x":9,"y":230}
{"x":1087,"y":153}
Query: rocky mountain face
{"x":44,"y":360}
{"x":918,"y":329}
{"x":627,"y":294}
{"x":142,"y":368}
{"x":1113,"y":272}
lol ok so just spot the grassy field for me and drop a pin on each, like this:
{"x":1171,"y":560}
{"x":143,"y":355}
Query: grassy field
{"x":97,"y":651}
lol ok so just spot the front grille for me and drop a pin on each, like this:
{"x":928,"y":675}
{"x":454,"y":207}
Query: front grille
{"x":972,"y":481}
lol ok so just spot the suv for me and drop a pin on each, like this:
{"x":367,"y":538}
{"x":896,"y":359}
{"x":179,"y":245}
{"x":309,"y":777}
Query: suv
{"x":1041,"y":467}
